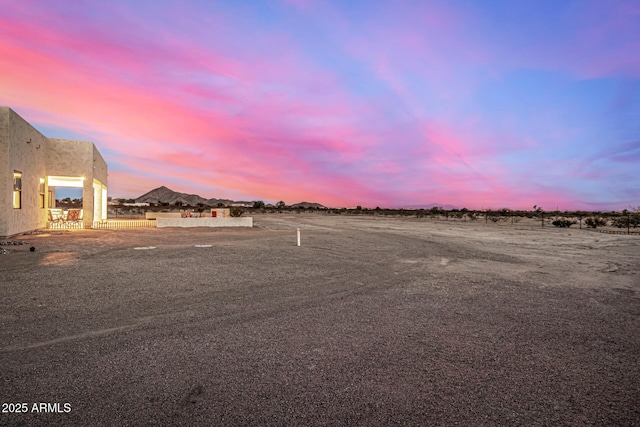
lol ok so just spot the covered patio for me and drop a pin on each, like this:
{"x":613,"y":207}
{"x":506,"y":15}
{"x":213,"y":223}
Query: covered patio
{"x":73,"y":217}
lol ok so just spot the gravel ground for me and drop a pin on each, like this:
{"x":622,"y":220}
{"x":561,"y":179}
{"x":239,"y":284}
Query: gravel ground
{"x":372,"y":321}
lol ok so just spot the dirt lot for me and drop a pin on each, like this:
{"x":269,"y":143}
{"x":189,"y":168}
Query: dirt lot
{"x":372,"y":321}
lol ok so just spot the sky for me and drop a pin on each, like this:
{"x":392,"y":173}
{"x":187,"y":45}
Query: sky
{"x":477,"y":104}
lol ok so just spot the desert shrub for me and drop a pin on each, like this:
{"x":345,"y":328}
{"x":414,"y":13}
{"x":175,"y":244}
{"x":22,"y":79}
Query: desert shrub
{"x":235,"y":212}
{"x":620,"y":222}
{"x":626,"y":221}
{"x":564,"y":223}
{"x":436,"y":210}
{"x":595,"y":221}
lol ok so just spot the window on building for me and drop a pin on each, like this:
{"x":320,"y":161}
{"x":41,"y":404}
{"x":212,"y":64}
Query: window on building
{"x":41,"y":194}
{"x":17,"y":190}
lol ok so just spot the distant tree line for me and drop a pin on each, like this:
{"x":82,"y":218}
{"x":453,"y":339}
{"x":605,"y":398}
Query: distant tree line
{"x":563,"y":219}
{"x":628,"y":218}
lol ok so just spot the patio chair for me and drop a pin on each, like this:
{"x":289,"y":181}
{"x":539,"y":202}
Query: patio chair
{"x":56,"y":217}
{"x":51,"y":218}
{"x":73,"y":217}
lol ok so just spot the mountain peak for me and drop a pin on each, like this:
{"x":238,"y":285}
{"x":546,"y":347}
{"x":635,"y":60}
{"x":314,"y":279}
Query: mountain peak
{"x":164,"y":194}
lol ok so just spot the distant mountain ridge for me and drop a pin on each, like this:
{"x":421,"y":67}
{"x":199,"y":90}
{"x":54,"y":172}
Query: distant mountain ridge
{"x":307,"y":205}
{"x":167,"y":195}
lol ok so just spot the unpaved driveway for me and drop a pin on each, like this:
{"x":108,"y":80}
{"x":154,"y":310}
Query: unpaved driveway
{"x":372,"y":321}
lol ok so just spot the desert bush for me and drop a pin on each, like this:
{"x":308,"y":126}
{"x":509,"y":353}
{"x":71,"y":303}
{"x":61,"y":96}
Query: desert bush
{"x":436,"y":210}
{"x":595,"y":221}
{"x":235,"y":212}
{"x":627,"y":220}
{"x":564,"y":223}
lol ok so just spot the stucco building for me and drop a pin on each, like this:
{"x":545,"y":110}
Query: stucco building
{"x":32,"y":166}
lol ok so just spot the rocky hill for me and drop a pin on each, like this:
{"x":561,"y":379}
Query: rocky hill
{"x":166,"y":195}
{"x":308,"y":205}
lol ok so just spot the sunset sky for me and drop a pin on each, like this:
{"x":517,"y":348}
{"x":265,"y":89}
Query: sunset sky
{"x":477,"y":104}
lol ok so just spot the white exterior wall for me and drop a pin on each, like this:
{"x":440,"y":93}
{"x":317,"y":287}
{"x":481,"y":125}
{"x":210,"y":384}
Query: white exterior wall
{"x":29,"y":158}
{"x":5,"y":190}
{"x":204,"y":222}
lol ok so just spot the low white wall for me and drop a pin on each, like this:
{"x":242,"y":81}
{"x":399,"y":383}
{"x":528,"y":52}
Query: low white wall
{"x":156,"y":215}
{"x":204,"y":222}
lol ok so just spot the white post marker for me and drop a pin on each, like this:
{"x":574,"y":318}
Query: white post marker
{"x":298,"y":237}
